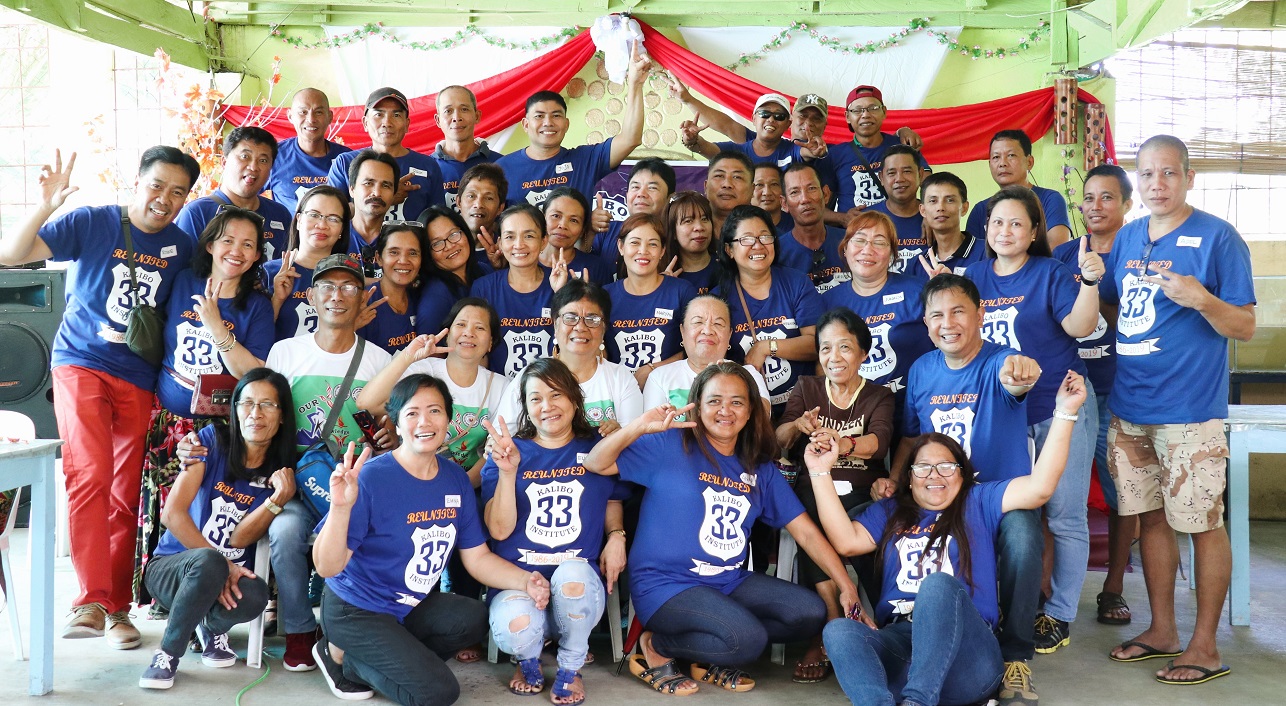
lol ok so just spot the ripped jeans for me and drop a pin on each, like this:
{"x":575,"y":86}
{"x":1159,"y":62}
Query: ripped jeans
{"x":575,"y":606}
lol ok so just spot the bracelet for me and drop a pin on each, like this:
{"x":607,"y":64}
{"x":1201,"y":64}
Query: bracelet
{"x":227,"y":344}
{"x":1060,"y":414}
{"x":818,"y":474}
{"x":616,"y":531}
{"x":852,"y":446}
{"x":1089,"y":282}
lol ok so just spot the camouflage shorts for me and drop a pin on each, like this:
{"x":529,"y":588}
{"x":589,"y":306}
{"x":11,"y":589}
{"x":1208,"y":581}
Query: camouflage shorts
{"x":1181,"y":468}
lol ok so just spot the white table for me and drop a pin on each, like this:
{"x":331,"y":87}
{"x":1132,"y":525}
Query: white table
{"x":1251,"y":429}
{"x":32,"y":463}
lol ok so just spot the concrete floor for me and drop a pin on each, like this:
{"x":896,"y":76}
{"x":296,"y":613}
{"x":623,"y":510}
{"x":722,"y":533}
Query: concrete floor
{"x":87,"y":672}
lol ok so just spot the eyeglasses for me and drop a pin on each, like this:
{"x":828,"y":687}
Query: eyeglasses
{"x":390,"y":226}
{"x":440,"y":244}
{"x":242,"y":212}
{"x":318,"y":216}
{"x":879,"y":244}
{"x":946,"y":469}
{"x":750,"y":240}
{"x":862,"y":110}
{"x":264,"y":407}
{"x":327,"y":289}
{"x":570,"y":320}
{"x":770,"y":115}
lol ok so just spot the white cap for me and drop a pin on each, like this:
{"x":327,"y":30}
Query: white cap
{"x":777,"y":98}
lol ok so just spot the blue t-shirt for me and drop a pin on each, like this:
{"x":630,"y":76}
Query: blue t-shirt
{"x":1172,"y":366}
{"x":220,"y":504}
{"x":531,"y":180}
{"x":1051,"y":202}
{"x":402,"y":531}
{"x":189,"y":347}
{"x":786,"y":152}
{"x":294,"y":171}
{"x":829,"y":272}
{"x":908,"y":560}
{"x":911,"y":242}
{"x":526,"y":323}
{"x":695,"y":517}
{"x":705,"y":279}
{"x":390,"y":330}
{"x":561,"y":507}
{"x":600,"y":271}
{"x":972,"y":407}
{"x":607,"y":245}
{"x":92,"y":332}
{"x":452,"y":169}
{"x":433,"y":305}
{"x":1025,"y":311}
{"x":971,"y":250}
{"x":895,"y":316}
{"x":856,"y":186}
{"x":297,"y":316}
{"x":646,"y":329}
{"x":1095,"y":349}
{"x":792,"y":304}
{"x":424,"y":172}
{"x":276,"y":221}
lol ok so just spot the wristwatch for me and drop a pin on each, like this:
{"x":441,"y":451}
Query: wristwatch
{"x":772,"y":347}
{"x":274,"y":508}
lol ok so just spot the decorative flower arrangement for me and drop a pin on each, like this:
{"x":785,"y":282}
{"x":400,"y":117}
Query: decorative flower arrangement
{"x":200,"y":119}
{"x":377,"y":30}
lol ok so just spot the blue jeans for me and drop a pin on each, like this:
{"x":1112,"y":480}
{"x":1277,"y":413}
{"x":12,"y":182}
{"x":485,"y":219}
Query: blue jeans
{"x":1019,"y":545}
{"x":1065,"y":511}
{"x":956,"y":656}
{"x":288,"y":537}
{"x":575,"y":605}
{"x":1100,"y":453}
{"x":703,"y":625}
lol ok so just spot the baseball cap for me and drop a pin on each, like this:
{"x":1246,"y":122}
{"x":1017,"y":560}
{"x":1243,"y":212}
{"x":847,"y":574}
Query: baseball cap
{"x":380,"y":94}
{"x":340,"y":261}
{"x":777,"y":98}
{"x":811,"y":100}
{"x":863,"y":92}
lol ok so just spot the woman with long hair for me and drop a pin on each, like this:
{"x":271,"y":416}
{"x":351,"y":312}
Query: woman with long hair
{"x":321,"y":219}
{"x":450,"y":270}
{"x":399,"y":252}
{"x":705,"y":482}
{"x":689,"y":228}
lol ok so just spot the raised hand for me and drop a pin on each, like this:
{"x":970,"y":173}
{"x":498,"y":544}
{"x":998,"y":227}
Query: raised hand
{"x":931,"y":266}
{"x":689,"y":130}
{"x":488,"y":244}
{"x":1091,"y":263}
{"x":55,"y":182}
{"x":673,"y":269}
{"x":404,"y":189}
{"x":640,"y":65}
{"x":367,"y":314}
{"x":676,"y":87}
{"x":809,"y":421}
{"x":601,"y":219}
{"x":1019,"y":371}
{"x":1071,"y":394}
{"x":814,"y":147}
{"x":1184,"y":290}
{"x":559,"y":273}
{"x":207,"y":309}
{"x":343,"y":482}
{"x":283,"y":283}
{"x":504,"y":452}
{"x":662,"y":417}
{"x":426,"y":346}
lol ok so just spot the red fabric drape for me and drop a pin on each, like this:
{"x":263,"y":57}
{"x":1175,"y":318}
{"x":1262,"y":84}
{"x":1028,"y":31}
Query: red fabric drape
{"x":958,"y":134}
{"x":501,"y":100}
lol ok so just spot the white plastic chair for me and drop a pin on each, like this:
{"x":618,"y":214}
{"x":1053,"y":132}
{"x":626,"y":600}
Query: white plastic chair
{"x":262,"y":569}
{"x":614,"y":629}
{"x":14,"y":426}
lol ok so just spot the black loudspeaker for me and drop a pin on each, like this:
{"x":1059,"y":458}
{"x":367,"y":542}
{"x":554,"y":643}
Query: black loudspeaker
{"x":31,"y":308}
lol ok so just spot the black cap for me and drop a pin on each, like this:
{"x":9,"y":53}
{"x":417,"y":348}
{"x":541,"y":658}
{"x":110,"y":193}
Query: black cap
{"x":380,"y":94}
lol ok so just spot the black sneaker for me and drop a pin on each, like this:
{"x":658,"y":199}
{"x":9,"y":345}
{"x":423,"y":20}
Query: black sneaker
{"x":1051,"y":634}
{"x":160,"y":673}
{"x":341,"y":686}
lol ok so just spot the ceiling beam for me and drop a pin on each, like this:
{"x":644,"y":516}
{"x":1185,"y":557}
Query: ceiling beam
{"x":157,"y":14}
{"x":75,"y":16}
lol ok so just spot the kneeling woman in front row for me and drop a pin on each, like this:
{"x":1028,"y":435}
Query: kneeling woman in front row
{"x":545,"y":513}
{"x":382,"y":548}
{"x":219,"y":507}
{"x":936,"y":537}
{"x":706,"y":481}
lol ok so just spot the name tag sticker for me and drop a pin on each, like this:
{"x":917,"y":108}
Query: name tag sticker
{"x":663,"y":313}
{"x":894,"y":298}
{"x":1189,"y":241}
{"x":544,"y":313}
{"x":580,"y":458}
{"x":278,"y":225}
{"x":452,"y":501}
{"x":563,"y":168}
{"x":842,"y":487}
{"x":416,"y":171}
{"x":789,"y":323}
{"x":169,"y":251}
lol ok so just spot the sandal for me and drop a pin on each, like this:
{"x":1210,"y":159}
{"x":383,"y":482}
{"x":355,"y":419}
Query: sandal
{"x":531,"y":675}
{"x":469,"y":655}
{"x":1109,"y":603}
{"x":728,"y":678}
{"x":824,"y":664}
{"x":664,"y":679}
{"x":563,"y":681}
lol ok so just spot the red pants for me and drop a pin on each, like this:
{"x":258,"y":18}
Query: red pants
{"x":103,"y":422}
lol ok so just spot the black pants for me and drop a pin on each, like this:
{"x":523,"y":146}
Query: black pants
{"x":189,"y":584}
{"x":405,"y":661}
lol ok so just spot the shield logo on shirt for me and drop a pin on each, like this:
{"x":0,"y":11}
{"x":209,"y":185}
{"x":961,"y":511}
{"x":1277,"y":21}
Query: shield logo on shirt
{"x":639,"y":348}
{"x":998,"y":327}
{"x":224,"y":516}
{"x":882,"y":359}
{"x":554,"y":519}
{"x":956,"y":423}
{"x":916,"y":561}
{"x":721,"y":533}
{"x":431,"y":547}
{"x":1138,"y":308}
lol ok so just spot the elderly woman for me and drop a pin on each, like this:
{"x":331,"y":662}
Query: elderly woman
{"x":706,"y":481}
{"x":774,"y":310}
{"x":316,"y":231}
{"x":394,"y":522}
{"x":219,"y":507}
{"x":690,"y":231}
{"x":936,"y":541}
{"x":888,"y":302}
{"x":545,"y":513}
{"x":581,"y":312}
{"x":861,"y":415}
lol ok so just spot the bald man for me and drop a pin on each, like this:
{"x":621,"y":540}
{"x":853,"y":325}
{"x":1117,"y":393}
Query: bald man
{"x":303,"y":161}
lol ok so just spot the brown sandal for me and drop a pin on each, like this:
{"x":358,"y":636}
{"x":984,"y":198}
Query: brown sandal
{"x":728,"y":678}
{"x":664,"y":679}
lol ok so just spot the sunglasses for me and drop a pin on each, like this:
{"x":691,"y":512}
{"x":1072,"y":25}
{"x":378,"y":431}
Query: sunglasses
{"x":241,"y":212}
{"x":771,"y":115}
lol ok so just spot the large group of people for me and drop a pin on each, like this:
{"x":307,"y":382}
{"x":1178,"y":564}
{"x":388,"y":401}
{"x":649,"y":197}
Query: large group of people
{"x":547,"y":408}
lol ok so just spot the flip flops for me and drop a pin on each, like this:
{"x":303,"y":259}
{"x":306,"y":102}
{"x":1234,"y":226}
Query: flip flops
{"x":1206,"y":674}
{"x":825,"y":665}
{"x":1109,"y":603}
{"x":1149,"y":652}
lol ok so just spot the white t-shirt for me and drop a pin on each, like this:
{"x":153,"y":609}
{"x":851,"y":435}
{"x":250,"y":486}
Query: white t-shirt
{"x":315,"y":377}
{"x":466,"y":436}
{"x":670,"y":384}
{"x":612,"y":393}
